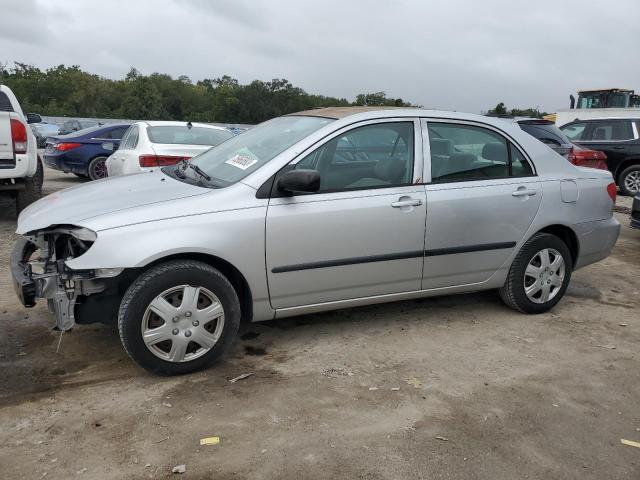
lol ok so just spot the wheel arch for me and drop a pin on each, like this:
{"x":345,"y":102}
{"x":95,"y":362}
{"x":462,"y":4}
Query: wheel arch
{"x":92,"y":158}
{"x":567,"y":235}
{"x":229,"y":270}
{"x":623,"y":165}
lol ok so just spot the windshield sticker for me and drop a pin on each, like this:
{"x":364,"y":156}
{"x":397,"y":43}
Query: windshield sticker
{"x":242,"y":161}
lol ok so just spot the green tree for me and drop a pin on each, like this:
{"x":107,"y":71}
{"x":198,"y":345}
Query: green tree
{"x":70,"y":91}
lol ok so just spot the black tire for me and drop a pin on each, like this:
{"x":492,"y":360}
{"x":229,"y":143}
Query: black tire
{"x":513,"y":292}
{"x":97,"y":168}
{"x":622,"y":180}
{"x":32,"y":190}
{"x":151,"y":284}
{"x":39,"y":176}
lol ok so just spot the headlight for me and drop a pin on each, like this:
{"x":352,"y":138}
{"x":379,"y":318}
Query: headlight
{"x":83,"y":234}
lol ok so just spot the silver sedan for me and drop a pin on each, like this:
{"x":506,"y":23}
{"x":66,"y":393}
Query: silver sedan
{"x":310,"y":212}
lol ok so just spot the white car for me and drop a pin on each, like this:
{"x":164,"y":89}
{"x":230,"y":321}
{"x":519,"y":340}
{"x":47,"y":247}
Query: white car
{"x":148,"y":145}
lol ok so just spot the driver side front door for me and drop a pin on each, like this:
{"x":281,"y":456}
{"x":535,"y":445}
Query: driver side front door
{"x":362,"y":234}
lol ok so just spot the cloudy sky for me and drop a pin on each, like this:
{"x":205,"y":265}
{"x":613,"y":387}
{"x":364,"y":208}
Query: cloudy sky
{"x":458,"y":55}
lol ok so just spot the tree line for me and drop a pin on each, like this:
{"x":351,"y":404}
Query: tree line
{"x":69,"y":91}
{"x":501,"y":109}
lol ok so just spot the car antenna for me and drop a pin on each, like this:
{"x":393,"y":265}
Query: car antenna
{"x":189,"y":125}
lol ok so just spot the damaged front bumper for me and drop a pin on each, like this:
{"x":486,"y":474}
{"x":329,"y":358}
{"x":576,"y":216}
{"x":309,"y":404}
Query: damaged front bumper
{"x":48,"y":277}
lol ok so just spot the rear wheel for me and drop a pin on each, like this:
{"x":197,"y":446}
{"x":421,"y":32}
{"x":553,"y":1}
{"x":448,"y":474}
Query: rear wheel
{"x":539,"y":275}
{"x":98,"y":168}
{"x":178,"y":317}
{"x":629,"y":181}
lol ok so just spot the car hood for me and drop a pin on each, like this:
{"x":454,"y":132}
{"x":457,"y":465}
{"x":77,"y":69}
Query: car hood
{"x":75,"y":205}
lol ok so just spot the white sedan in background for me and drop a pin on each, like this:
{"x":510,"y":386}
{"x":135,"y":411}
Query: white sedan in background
{"x":147,"y":146}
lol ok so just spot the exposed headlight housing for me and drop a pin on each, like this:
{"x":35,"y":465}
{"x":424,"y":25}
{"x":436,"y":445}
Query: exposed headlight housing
{"x":83,"y":234}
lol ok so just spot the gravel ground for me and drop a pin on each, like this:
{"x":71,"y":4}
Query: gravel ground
{"x":458,"y":387}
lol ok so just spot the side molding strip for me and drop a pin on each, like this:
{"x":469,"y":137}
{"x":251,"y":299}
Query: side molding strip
{"x":393,"y":256}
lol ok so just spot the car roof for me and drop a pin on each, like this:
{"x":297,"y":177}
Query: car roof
{"x":161,"y":123}
{"x":351,"y":114}
{"x":341,"y":112}
{"x":631,"y":119}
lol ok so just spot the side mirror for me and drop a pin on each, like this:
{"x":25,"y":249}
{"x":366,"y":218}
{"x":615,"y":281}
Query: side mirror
{"x":112,"y":147}
{"x":294,"y":181}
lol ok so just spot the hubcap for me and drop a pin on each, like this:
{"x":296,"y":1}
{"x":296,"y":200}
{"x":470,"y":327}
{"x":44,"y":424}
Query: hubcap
{"x":100,"y":169}
{"x":544,"y":275}
{"x":182,"y":323}
{"x":632,"y":181}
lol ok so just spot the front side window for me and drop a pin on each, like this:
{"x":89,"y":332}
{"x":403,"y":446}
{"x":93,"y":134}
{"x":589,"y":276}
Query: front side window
{"x":574,"y":131}
{"x":371,"y":156}
{"x":472,"y":153}
{"x":184,"y":135}
{"x":611,"y":131}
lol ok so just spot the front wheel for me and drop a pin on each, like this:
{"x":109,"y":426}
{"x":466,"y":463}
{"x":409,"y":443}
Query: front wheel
{"x":178,"y":317}
{"x":630,"y":181}
{"x":539,"y":275}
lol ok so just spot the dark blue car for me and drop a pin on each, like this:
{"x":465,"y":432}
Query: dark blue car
{"x":83,"y":152}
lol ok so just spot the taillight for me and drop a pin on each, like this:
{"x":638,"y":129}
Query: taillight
{"x":159,"y":160}
{"x":65,"y":146}
{"x":18,"y":136}
{"x":612,"y":190}
{"x":582,"y":157}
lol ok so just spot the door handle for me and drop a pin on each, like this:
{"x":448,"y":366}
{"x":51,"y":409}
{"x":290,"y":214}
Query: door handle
{"x":524,"y":192}
{"x":411,"y":202}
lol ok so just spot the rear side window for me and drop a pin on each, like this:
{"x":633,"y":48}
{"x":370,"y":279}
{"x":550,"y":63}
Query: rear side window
{"x":546,"y":132}
{"x":611,"y":131}
{"x":117,"y":133}
{"x":5,"y":104}
{"x":574,"y":131}
{"x":183,"y":135}
{"x":131,"y":139}
{"x":465,"y":153}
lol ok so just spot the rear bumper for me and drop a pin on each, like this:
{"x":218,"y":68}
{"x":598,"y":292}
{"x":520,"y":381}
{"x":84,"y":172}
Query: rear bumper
{"x":596,"y":240}
{"x":22,"y":166}
{"x":59,"y":162}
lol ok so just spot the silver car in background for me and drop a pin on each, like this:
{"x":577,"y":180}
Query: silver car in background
{"x":310,"y":212}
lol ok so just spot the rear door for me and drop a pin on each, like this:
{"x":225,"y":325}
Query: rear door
{"x":482,"y":196}
{"x":362,"y":234}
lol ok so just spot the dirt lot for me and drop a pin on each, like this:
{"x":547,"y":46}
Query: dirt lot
{"x":483,"y":392}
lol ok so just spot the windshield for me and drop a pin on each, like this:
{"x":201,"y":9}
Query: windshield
{"x":241,"y":155}
{"x":183,"y":135}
